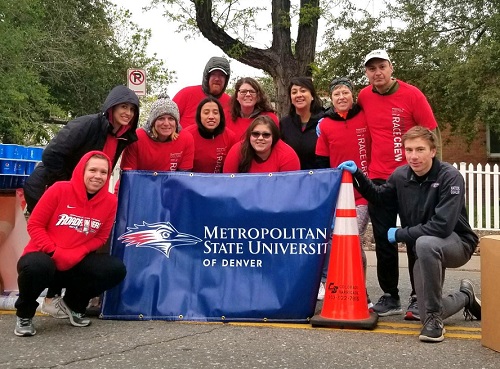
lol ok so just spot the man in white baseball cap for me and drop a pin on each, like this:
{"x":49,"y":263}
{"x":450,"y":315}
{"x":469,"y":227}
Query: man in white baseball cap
{"x":391,"y":107}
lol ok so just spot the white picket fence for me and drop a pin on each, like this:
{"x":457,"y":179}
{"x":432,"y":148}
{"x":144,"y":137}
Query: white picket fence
{"x":482,"y":194}
{"x":482,"y":197}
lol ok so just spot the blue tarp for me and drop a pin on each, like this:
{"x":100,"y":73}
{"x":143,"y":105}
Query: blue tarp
{"x":219,"y":247}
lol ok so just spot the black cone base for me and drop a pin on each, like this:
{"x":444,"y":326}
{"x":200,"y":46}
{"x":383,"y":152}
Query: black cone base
{"x":369,"y":323}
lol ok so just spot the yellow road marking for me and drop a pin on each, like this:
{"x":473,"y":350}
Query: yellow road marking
{"x":406,"y":329}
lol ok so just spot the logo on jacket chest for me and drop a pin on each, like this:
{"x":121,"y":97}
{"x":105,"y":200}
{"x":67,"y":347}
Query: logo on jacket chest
{"x":78,"y":223}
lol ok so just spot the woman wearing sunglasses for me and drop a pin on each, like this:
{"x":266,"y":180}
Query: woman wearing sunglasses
{"x":248,"y":102}
{"x":261,"y":150}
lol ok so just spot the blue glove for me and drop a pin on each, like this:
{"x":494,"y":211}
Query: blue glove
{"x":349,"y":165}
{"x":318,"y":131}
{"x":391,"y":235}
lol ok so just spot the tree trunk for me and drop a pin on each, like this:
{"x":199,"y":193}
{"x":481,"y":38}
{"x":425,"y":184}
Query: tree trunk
{"x":280,"y":61}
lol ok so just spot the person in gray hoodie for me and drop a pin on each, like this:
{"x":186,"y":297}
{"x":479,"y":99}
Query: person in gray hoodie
{"x":215,"y":79}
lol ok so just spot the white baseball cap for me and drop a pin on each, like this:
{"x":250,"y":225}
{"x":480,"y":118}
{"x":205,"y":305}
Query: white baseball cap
{"x":377,"y":54}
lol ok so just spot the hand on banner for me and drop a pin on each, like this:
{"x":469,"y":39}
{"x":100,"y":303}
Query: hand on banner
{"x":349,"y":165}
{"x":391,"y":235}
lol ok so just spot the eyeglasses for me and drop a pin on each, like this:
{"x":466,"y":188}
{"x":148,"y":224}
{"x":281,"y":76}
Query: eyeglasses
{"x":265,"y":135}
{"x":244,"y":92}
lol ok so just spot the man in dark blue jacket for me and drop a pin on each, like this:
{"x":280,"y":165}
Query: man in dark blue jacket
{"x":431,"y":203}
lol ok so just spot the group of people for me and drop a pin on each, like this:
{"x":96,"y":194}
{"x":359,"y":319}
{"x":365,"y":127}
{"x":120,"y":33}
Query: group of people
{"x":203,"y":129}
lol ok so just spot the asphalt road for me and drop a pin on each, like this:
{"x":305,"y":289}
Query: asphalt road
{"x":159,"y":344}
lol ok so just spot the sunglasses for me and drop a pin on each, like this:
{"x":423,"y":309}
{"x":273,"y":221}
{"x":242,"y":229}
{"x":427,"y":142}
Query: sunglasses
{"x":265,"y":135}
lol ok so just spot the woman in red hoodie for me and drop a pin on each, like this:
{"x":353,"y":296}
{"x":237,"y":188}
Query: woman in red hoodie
{"x":72,"y":220}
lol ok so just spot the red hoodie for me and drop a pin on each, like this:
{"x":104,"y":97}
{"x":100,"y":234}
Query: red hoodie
{"x":69,"y":225}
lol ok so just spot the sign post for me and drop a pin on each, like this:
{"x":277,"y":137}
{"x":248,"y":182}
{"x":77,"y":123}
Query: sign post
{"x":136,"y":81}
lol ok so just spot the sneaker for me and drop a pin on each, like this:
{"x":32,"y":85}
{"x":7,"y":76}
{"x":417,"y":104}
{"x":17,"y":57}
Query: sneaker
{"x":94,"y":307}
{"x":473,"y":308}
{"x":24,"y":327}
{"x":370,"y":304}
{"x":387,"y":305}
{"x":412,"y":311}
{"x":53,"y":308}
{"x":321,"y":292}
{"x":76,"y":319}
{"x":433,"y":330}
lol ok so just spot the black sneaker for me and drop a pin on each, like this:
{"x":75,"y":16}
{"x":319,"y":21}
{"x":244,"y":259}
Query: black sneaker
{"x":76,"y":319}
{"x":387,"y":305}
{"x":473,"y":308}
{"x":433,"y":330}
{"x":24,"y":327}
{"x":412,"y":311}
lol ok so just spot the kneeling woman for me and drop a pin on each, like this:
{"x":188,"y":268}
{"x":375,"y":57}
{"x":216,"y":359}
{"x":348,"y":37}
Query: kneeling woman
{"x":72,"y":220}
{"x":262,"y":150}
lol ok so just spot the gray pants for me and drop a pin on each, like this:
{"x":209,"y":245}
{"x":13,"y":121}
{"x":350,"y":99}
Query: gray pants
{"x":434,"y":255}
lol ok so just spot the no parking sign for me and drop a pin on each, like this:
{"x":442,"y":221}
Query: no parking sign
{"x":136,"y":81}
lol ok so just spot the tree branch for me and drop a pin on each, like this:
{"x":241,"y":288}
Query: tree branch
{"x":257,"y":58}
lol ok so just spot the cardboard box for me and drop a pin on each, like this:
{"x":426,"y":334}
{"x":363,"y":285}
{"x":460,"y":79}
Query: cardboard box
{"x":490,"y":293}
{"x":13,"y":238}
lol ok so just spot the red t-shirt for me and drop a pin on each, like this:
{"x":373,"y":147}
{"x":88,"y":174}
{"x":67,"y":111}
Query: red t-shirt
{"x":282,"y":159}
{"x":240,"y":125}
{"x":187,"y":101}
{"x":210,"y":153}
{"x":346,"y":140}
{"x":388,"y":118}
{"x":146,"y":154}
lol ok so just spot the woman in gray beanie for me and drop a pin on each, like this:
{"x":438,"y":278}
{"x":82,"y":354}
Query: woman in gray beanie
{"x":161,"y":145}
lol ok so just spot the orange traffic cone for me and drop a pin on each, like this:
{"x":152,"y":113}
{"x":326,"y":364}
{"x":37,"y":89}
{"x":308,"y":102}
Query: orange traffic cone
{"x":345,"y":304}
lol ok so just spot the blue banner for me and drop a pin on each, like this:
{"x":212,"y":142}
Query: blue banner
{"x":220,"y":247}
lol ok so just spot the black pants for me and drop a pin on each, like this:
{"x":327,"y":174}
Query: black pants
{"x":384,"y":217}
{"x":92,"y":276}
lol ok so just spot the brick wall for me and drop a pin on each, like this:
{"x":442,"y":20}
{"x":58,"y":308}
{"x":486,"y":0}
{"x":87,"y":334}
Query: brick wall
{"x":456,"y":150}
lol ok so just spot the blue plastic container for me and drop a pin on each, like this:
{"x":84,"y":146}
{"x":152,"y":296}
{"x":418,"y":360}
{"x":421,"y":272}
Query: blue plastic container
{"x":7,"y":167}
{"x":34,"y":153}
{"x":20,"y":182}
{"x":30,"y":167}
{"x":23,"y":152}
{"x":7,"y":182}
{"x":10,"y":151}
{"x":20,"y":167}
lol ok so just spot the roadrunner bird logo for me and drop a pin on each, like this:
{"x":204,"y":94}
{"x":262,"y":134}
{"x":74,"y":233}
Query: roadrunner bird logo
{"x":159,"y":236}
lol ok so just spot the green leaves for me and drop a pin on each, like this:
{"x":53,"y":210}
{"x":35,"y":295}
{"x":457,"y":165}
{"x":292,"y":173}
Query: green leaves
{"x":450,"y":49}
{"x":59,"y":59}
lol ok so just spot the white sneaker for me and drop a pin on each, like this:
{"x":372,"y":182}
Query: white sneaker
{"x":321,"y":292}
{"x":53,"y":308}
